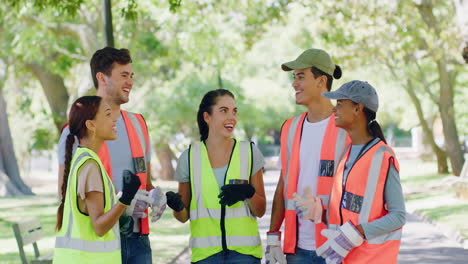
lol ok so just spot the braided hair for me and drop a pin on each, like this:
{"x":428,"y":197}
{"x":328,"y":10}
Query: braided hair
{"x":83,"y":109}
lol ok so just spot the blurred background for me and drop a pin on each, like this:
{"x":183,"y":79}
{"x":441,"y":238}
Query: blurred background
{"x":414,"y":52}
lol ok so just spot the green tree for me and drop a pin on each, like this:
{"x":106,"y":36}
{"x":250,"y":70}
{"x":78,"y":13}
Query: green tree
{"x":417,"y":43}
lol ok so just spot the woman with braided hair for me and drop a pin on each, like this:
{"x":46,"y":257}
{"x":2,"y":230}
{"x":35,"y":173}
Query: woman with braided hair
{"x":87,"y":218}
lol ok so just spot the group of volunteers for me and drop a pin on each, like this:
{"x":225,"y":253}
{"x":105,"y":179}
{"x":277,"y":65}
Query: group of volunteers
{"x":338,"y":194}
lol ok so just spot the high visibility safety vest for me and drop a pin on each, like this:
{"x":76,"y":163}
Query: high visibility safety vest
{"x":213,"y":227}
{"x":76,"y":241}
{"x":361,"y":200}
{"x":333,"y":144}
{"x":139,"y":144}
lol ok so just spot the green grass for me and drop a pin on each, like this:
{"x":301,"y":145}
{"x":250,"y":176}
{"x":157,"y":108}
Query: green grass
{"x":456,"y":215}
{"x":418,"y":180}
{"x":443,"y":212}
{"x":411,"y":197}
{"x":428,"y":194}
{"x":168,"y":236}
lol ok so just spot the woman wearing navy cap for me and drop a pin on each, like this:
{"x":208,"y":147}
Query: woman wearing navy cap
{"x":366,"y":211}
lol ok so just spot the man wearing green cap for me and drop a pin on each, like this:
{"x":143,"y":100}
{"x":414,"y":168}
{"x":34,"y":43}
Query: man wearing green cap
{"x":310,"y":148}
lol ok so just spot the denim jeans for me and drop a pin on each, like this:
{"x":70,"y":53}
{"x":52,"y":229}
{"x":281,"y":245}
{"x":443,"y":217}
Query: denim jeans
{"x":229,"y":257}
{"x":136,"y":249}
{"x":304,"y":256}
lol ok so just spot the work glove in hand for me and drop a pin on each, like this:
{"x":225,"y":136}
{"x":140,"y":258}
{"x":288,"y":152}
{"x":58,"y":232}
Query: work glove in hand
{"x":274,"y":252}
{"x":339,"y":243}
{"x":233,"y":193}
{"x":174,"y":201}
{"x":140,"y":202}
{"x":308,"y":206}
{"x":126,"y":224}
{"x":158,"y":204}
{"x":131,"y":183}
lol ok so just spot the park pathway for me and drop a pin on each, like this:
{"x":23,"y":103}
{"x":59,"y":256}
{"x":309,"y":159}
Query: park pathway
{"x":422,"y":243}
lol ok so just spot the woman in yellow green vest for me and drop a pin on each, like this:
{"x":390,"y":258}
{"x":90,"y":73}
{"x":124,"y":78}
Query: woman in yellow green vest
{"x":87,"y":218}
{"x":220,"y":187}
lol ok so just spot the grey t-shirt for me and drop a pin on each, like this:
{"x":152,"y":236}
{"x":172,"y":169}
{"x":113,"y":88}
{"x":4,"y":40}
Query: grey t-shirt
{"x":182,"y":173}
{"x":393,"y":196}
{"x":119,"y":151}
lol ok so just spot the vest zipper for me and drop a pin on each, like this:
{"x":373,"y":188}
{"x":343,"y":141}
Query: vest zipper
{"x":222,"y":223}
{"x":223,"y":228}
{"x":343,"y":186}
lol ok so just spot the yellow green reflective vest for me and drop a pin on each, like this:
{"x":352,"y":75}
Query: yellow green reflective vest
{"x":76,"y":241}
{"x":211,"y":225}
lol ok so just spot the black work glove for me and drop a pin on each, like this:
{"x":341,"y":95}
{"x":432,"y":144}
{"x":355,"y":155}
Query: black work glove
{"x":174,"y":201}
{"x":126,"y":224}
{"x":131,"y":183}
{"x":233,"y":193}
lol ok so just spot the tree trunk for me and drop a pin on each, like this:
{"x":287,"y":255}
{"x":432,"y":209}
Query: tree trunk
{"x":452,"y":143}
{"x":165,"y":157}
{"x":108,"y":28}
{"x":55,"y":92}
{"x":11,"y":183}
{"x":447,"y":114}
{"x":441,"y":155}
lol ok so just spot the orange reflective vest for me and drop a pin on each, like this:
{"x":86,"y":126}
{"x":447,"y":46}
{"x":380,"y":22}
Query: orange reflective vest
{"x":334,"y":141}
{"x":139,"y":144}
{"x":361,"y":200}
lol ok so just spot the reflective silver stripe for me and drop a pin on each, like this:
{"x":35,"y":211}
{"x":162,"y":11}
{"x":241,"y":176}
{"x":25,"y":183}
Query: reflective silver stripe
{"x":70,"y":223}
{"x":87,"y":246}
{"x":80,"y":244}
{"x":139,"y":131}
{"x":231,"y":241}
{"x":339,"y":146}
{"x":289,"y":204}
{"x":372,"y":180}
{"x":201,"y":211}
{"x":235,"y":212}
{"x":110,"y":186}
{"x":196,"y":170}
{"x":394,"y":235}
{"x":325,"y":199}
{"x":244,"y":160}
{"x":341,"y":156}
{"x":333,"y":227}
{"x":289,"y":145}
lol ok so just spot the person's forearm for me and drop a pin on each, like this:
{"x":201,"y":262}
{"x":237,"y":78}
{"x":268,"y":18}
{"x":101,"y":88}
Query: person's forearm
{"x":102,"y":222}
{"x":105,"y":222}
{"x":277,"y":212}
{"x":186,"y":196}
{"x":385,"y":224}
{"x":149,"y":181}
{"x":182,"y":216}
{"x":396,"y":216}
{"x":257,"y":205}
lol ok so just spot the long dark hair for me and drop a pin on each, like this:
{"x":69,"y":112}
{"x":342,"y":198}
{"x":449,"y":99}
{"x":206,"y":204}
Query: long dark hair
{"x":83,"y":109}
{"x":372,"y":126}
{"x":209,"y":99}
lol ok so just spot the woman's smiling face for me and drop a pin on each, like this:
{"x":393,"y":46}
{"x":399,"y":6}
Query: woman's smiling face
{"x":345,"y":113}
{"x":223,"y":117}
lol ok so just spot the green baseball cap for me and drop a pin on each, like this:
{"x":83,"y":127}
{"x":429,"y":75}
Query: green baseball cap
{"x":311,"y":58}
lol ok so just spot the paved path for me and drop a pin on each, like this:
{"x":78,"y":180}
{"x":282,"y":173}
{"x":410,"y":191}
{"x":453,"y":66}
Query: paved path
{"x":422,"y":243}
